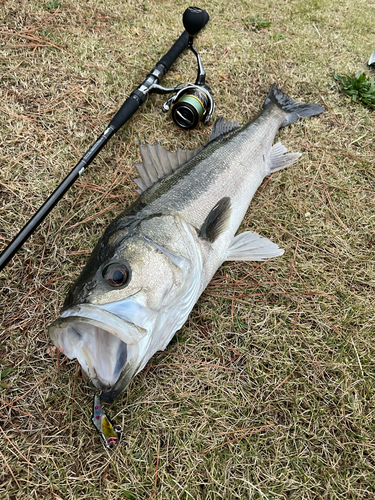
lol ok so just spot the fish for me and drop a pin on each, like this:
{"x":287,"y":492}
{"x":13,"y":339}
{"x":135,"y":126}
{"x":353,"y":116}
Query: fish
{"x":155,"y":259}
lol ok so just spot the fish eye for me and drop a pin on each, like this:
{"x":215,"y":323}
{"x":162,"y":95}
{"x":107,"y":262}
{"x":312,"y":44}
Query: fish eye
{"x":116,"y":274}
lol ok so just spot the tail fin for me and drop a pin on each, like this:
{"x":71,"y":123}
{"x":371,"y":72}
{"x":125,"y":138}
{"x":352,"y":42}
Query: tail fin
{"x":295,"y":110}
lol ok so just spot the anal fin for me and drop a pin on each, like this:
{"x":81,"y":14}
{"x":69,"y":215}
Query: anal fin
{"x":250,"y":246}
{"x":281,"y":158}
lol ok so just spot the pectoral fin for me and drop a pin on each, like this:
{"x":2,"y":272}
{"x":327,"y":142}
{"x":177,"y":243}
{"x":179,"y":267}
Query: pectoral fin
{"x":252,"y":246}
{"x":216,"y":221}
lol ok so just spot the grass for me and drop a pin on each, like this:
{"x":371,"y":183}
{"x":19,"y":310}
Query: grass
{"x":268,"y":389}
{"x":256,"y":24}
{"x":358,"y":87}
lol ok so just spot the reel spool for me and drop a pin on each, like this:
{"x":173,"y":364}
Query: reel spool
{"x":192,"y":103}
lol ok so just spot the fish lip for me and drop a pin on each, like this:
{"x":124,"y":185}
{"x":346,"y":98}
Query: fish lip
{"x":125,"y":330}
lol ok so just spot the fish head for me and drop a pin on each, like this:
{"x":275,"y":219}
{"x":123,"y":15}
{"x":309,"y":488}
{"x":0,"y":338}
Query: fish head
{"x":126,"y":304}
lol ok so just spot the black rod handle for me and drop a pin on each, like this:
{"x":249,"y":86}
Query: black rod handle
{"x":138,"y":96}
{"x":169,"y":58}
{"x":194,"y":19}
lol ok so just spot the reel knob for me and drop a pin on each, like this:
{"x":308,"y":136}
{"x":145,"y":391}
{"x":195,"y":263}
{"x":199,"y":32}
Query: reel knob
{"x":194,"y":19}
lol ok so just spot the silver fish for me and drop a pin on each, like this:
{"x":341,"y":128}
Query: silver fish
{"x":156,"y":258}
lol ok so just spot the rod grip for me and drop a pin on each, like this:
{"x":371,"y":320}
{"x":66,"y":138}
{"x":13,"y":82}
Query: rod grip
{"x":126,"y":111}
{"x":194,"y":19}
{"x":173,"y":53}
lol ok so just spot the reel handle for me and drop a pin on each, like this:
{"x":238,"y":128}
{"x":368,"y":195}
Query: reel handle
{"x":194,"y":19}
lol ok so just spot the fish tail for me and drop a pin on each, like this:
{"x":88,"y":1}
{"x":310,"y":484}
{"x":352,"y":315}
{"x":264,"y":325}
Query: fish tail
{"x":294,"y":110}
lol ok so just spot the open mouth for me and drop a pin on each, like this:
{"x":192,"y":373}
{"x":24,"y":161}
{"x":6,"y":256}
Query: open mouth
{"x":102,"y":342}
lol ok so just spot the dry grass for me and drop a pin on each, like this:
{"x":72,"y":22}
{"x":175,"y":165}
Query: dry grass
{"x":268,"y":390}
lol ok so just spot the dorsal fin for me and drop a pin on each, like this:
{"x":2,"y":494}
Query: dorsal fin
{"x":157,"y":162}
{"x":221,"y":127}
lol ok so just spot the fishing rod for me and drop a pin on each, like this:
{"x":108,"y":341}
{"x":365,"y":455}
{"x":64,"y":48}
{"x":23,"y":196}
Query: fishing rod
{"x":191,"y":105}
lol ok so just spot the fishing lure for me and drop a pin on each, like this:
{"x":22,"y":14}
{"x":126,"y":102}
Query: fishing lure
{"x":109,"y":434}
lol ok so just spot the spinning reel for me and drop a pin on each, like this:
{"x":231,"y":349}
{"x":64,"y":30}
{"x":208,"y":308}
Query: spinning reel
{"x":192,"y":103}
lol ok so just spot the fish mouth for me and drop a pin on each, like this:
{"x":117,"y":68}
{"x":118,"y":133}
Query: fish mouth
{"x":105,"y":344}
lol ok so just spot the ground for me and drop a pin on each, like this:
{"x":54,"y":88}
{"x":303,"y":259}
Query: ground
{"x":267,"y":392}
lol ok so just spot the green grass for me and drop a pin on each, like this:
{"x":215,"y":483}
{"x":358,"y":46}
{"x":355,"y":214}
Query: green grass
{"x":255,"y":23}
{"x":359,"y":88}
{"x":268,"y":389}
{"x":51,"y":6}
